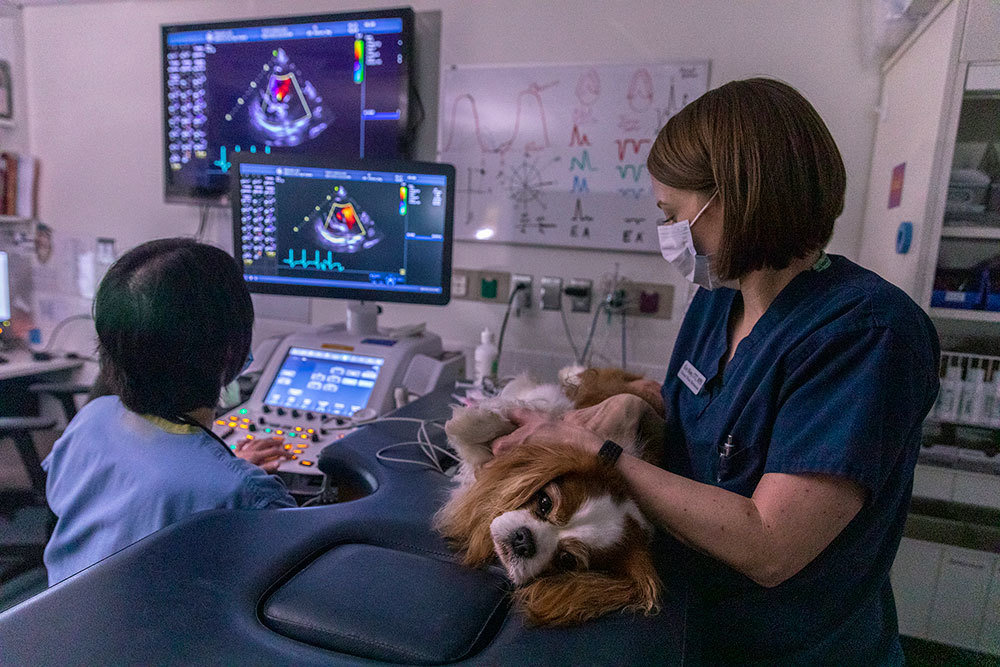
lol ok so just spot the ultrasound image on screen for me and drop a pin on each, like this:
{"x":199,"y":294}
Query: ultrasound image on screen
{"x":346,"y":229}
{"x":322,"y":89}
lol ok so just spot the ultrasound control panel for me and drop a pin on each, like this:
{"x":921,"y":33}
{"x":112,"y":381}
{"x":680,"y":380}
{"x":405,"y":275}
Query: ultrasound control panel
{"x":316,"y":386}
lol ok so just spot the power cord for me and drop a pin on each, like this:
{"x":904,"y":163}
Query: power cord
{"x":506,"y":317}
{"x":62,"y":323}
{"x":202,"y":221}
{"x":569,"y":335}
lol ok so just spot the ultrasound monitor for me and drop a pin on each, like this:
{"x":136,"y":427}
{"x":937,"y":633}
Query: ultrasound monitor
{"x":332,"y":84}
{"x":348,"y":229}
{"x":4,"y":288}
{"x":324,"y":381}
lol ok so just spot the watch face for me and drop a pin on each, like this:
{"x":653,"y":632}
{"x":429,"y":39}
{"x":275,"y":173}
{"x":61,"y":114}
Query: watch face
{"x":610,"y":451}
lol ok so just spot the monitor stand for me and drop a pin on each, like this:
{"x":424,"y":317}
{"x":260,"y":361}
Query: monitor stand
{"x":362,"y":318}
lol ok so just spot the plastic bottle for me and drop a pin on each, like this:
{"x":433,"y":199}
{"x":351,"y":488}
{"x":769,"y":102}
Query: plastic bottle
{"x":484,"y":358}
{"x":988,"y":412}
{"x":972,"y":392}
{"x":951,"y":391}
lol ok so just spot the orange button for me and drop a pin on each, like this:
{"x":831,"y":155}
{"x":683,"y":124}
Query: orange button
{"x":305,"y":463}
{"x":298,"y":428}
{"x":288,"y":446}
{"x":220,"y":422}
{"x":279,"y":432}
{"x":294,"y":458}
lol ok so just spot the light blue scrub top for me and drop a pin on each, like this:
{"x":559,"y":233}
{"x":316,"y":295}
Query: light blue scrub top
{"x":114,"y":477}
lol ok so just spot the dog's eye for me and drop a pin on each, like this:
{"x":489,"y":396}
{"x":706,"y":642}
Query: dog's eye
{"x":544,"y":504}
{"x":566,"y":561}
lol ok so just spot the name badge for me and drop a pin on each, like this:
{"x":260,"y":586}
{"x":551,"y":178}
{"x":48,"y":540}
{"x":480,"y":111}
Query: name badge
{"x":691,"y":377}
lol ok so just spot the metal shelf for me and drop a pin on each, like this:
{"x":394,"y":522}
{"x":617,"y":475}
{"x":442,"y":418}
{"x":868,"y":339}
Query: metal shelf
{"x":969,"y":232}
{"x":967,"y":315}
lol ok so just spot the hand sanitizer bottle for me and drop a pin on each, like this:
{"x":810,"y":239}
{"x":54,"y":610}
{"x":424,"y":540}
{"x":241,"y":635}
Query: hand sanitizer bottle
{"x":484,"y":358}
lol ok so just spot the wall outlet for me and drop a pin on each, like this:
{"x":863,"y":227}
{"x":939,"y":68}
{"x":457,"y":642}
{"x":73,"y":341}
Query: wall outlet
{"x":523,"y":300}
{"x":459,"y":284}
{"x":551,"y":293}
{"x":649,"y":300}
{"x":580,"y":293}
{"x":492,"y":286}
{"x":464,"y":284}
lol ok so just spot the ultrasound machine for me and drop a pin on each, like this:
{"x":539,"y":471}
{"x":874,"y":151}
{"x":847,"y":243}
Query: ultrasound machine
{"x":359,"y":230}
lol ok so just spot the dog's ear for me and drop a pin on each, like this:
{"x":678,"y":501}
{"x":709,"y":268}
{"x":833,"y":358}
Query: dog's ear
{"x":576,"y":597}
{"x":472,"y":430}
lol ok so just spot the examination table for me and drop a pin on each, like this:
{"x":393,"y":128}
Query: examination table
{"x":364,"y":581}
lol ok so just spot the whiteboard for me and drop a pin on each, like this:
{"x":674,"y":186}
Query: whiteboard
{"x":556,"y":154}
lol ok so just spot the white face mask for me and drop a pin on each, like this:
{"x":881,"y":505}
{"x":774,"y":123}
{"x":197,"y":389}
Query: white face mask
{"x":677,"y":247}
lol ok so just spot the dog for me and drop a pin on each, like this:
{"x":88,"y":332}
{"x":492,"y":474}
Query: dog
{"x":562,"y":523}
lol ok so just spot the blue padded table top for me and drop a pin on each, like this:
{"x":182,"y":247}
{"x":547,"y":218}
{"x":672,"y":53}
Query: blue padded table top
{"x":289,"y":586}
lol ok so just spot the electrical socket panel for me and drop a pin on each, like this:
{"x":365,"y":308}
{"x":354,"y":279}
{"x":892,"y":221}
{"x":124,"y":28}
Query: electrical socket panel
{"x":523,"y":300}
{"x":491,"y":286}
{"x":580,"y":304}
{"x":464,"y":284}
{"x":551,"y":293}
{"x":654,"y":300}
{"x":488,"y":286}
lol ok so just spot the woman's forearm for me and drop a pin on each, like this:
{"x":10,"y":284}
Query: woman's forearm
{"x":719,"y":523}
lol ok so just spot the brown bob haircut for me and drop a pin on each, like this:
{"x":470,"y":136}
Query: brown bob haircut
{"x":779,"y":174}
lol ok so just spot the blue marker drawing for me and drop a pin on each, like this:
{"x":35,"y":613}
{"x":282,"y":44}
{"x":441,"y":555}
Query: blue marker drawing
{"x":221,"y":163}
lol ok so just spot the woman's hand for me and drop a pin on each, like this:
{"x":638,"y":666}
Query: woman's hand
{"x":540,"y":426}
{"x":268,"y":453}
{"x":618,"y":418}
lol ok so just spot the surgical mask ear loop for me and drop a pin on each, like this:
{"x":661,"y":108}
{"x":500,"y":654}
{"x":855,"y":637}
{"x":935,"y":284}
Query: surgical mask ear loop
{"x":698,"y":215}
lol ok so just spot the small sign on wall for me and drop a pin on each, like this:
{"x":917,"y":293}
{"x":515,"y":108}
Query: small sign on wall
{"x":896,"y":185}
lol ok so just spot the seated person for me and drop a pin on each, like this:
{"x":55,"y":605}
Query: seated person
{"x":174,"y":321}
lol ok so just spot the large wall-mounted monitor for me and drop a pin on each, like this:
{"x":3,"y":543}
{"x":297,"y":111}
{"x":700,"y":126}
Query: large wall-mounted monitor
{"x":367,"y":230}
{"x":332,"y":84}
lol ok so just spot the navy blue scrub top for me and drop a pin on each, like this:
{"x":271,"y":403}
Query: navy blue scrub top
{"x":835,"y":378}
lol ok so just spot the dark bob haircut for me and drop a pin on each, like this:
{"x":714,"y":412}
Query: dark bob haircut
{"x":174,"y":323}
{"x":779,"y":174}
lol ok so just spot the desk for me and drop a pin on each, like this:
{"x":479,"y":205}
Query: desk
{"x":21,"y":371}
{"x":197,"y":592}
{"x":20,"y":365}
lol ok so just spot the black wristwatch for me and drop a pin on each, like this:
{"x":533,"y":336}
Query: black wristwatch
{"x":609,"y":453}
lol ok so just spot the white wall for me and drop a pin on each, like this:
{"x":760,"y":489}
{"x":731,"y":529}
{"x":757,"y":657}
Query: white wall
{"x":94,"y":103}
{"x":14,"y":138}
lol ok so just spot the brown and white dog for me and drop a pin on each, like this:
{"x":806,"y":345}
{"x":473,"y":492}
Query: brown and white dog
{"x":562,"y":523}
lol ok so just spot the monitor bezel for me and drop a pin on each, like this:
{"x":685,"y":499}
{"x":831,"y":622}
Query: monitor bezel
{"x":176,"y":195}
{"x":399,"y":166}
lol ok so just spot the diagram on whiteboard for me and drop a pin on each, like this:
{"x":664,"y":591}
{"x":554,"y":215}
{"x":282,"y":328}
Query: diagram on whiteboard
{"x":556,"y":155}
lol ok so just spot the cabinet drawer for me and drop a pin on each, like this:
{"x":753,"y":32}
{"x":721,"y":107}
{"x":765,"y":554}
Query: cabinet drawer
{"x":914,"y":578}
{"x":960,"y":602}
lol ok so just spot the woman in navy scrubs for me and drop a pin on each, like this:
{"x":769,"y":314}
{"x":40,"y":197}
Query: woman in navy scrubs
{"x":794,"y":396}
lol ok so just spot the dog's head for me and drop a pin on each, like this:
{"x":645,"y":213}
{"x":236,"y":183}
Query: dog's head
{"x":565,"y":530}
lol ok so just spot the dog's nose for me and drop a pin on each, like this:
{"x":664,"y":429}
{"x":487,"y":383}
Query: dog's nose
{"x":522,"y":542}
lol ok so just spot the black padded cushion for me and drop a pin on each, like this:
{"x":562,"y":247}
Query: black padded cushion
{"x":389,"y":605}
